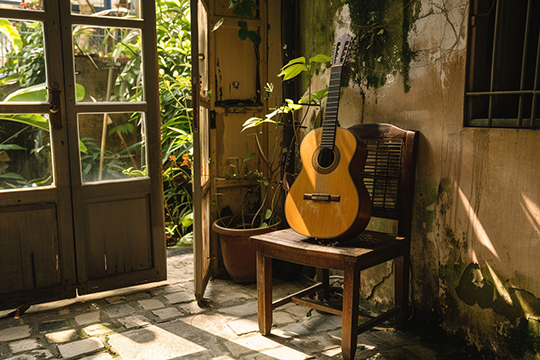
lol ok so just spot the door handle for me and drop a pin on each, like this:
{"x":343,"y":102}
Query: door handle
{"x":54,"y":109}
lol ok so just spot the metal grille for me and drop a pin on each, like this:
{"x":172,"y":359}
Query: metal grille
{"x":382,"y":172}
{"x":503,"y":84}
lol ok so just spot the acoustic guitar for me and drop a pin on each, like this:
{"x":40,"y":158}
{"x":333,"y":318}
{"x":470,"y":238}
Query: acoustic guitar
{"x":329,"y":198}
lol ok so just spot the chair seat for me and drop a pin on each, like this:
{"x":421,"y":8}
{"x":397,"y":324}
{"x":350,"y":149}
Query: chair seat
{"x":368,"y":249}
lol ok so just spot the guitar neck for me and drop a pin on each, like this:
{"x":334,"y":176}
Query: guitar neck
{"x":332,"y":105}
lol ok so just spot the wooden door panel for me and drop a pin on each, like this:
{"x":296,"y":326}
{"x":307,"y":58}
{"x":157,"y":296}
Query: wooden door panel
{"x":119,"y":238}
{"x":29,"y":241}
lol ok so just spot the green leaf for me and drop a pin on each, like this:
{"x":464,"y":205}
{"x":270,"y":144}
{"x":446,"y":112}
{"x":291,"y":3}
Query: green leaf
{"x":41,"y":182}
{"x":292,"y":71}
{"x":31,"y":93}
{"x":39,"y":93}
{"x":320,"y":58}
{"x":11,"y":176}
{"x":80,"y":92}
{"x":11,"y":32}
{"x":249,"y":156}
{"x":124,"y":129}
{"x":267,"y":214}
{"x":11,"y":147}
{"x":245,"y":8}
{"x":298,"y":60}
{"x":291,"y":105}
{"x":251,"y":122}
{"x":243,"y":31}
{"x":10,"y":80}
{"x":218,"y":24}
{"x":82,"y":147}
{"x":316,"y":96}
{"x":254,"y":37}
{"x":187,"y":220}
{"x":28,"y":119}
{"x":255,"y":121}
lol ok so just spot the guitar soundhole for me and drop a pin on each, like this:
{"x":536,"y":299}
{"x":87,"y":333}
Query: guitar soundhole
{"x":325,"y":160}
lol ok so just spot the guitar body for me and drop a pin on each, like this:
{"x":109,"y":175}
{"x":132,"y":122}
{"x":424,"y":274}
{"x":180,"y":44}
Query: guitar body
{"x":329,"y":198}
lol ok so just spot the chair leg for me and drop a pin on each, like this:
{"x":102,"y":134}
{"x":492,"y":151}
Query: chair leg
{"x":402,"y":289}
{"x":351,"y":294}
{"x":323,"y":276}
{"x":264,"y":292}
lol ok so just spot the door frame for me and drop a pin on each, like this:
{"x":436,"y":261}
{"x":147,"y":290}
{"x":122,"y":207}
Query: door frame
{"x":203,"y":260}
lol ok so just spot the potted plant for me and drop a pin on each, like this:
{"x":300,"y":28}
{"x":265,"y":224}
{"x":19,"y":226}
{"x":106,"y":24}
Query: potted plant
{"x":260,"y":195}
{"x":234,"y":230}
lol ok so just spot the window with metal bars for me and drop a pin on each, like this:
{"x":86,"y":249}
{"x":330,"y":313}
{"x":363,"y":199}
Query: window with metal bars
{"x":503,"y":65}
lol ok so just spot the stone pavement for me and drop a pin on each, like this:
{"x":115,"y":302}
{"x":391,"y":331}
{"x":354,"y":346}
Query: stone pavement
{"x":163,"y":321}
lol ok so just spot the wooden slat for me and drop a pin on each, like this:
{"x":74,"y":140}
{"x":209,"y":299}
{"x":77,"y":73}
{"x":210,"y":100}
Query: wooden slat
{"x":379,"y":319}
{"x":316,"y":305}
{"x":301,"y":293}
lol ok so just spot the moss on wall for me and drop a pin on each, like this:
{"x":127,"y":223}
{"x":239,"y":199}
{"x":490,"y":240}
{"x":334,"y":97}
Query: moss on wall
{"x":316,"y":30}
{"x":382,"y":29}
{"x":483,"y":286}
{"x":424,"y":204}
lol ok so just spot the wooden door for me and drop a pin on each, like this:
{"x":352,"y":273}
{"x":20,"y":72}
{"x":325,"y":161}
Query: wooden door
{"x":203,"y":251}
{"x":81,"y":202}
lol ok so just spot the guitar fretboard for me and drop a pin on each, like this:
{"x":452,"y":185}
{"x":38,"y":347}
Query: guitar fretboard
{"x":332,"y":105}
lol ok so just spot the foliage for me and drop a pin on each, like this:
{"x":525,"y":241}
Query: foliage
{"x":174,"y":60}
{"x":243,"y":9}
{"x":298,"y":65}
{"x":25,"y":60}
{"x":275,"y":159}
{"x":382,"y":29}
{"x":292,"y":69}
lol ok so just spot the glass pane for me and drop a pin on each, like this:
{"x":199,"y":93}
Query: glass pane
{"x":21,"y":4}
{"x":25,"y":151}
{"x":112,"y":146}
{"x":116,"y":8}
{"x":22,"y":61}
{"x":108,"y":63}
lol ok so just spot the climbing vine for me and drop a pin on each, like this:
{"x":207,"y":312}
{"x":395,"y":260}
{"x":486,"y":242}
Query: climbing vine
{"x":382,"y":48}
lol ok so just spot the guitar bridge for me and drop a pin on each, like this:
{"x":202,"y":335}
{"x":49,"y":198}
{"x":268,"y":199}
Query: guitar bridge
{"x":322,"y":197}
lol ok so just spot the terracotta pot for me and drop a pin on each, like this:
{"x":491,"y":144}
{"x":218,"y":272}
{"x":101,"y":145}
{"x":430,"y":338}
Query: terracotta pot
{"x":238,"y":252}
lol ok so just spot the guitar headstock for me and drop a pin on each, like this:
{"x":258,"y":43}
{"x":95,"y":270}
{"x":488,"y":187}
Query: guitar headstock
{"x":341,"y":50}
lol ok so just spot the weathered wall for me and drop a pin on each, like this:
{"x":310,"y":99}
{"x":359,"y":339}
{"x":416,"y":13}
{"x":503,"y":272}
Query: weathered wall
{"x":476,"y":223}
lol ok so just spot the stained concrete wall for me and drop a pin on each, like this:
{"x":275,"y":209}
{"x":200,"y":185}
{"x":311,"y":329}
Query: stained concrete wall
{"x":476,"y":241}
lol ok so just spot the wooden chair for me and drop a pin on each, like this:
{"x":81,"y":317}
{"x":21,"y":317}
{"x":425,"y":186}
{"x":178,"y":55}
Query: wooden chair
{"x":389,"y":175}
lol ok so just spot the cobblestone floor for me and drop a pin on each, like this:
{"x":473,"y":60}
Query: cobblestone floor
{"x":163,"y":321}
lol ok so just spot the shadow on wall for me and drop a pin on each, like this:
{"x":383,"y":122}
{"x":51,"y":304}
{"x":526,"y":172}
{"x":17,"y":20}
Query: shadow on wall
{"x":488,"y":289}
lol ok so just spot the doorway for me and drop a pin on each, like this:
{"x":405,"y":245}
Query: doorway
{"x":81,"y":201}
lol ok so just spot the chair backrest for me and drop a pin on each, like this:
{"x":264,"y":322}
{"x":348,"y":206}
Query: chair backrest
{"x":389,"y":171}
